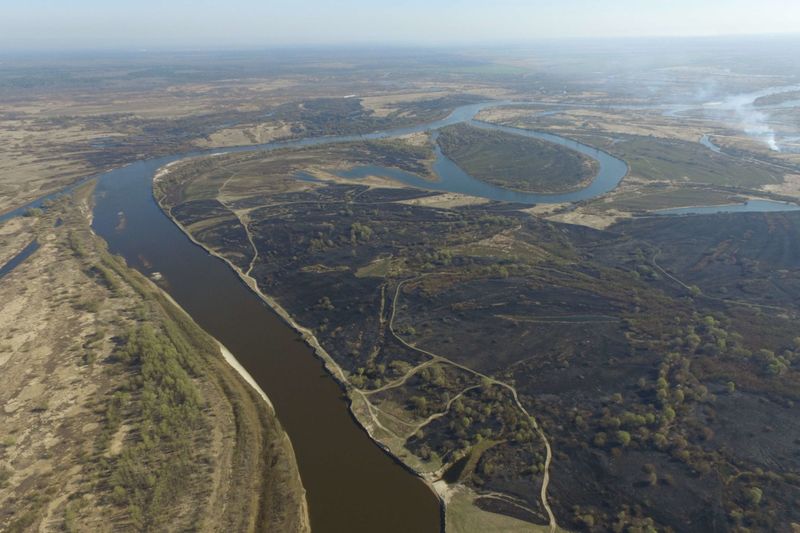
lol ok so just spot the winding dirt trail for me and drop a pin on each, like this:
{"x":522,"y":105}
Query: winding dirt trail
{"x":438,"y":358}
{"x":728,"y":301}
{"x":243,"y":220}
{"x":401,"y":381}
{"x":440,"y":414}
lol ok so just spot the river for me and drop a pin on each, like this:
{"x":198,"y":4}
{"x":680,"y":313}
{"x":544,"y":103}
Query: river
{"x":451,"y":178}
{"x":15,"y":261}
{"x":352,"y":485}
{"x":750,"y":206}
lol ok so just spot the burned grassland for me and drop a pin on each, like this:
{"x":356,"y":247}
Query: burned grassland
{"x":641,"y":376}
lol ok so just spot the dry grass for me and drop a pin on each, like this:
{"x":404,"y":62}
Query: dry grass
{"x":464,"y":517}
{"x":447,"y":200}
{"x":64,"y":311}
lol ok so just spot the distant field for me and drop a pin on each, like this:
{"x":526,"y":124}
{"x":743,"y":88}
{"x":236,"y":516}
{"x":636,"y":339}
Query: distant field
{"x":779,"y":98}
{"x":672,"y":160}
{"x":62,"y":120}
{"x":668,"y":197}
{"x":515,"y":162}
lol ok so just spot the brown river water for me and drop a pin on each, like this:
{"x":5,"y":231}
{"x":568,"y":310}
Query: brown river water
{"x":352,"y":484}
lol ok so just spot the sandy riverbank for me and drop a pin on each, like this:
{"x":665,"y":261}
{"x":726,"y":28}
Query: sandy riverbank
{"x":331,"y":366}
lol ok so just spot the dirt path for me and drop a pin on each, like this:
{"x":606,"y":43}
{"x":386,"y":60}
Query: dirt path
{"x":401,"y":381}
{"x":340,"y":375}
{"x":729,"y":301}
{"x":242,"y":220}
{"x":667,"y":274}
{"x":246,"y":226}
{"x":490,"y":380}
{"x":446,"y":410}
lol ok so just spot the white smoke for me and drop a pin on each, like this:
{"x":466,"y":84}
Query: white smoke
{"x":753,"y":121}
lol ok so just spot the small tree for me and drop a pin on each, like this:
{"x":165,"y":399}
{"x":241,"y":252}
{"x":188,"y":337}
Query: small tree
{"x":600,"y":439}
{"x":754,"y":495}
{"x":420,"y":404}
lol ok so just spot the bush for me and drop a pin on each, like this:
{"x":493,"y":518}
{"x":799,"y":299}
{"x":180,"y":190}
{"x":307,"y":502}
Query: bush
{"x":420,"y":404}
{"x":151,"y":473}
{"x":119,"y":495}
{"x":754,"y":496}
{"x":600,"y":440}
{"x":5,"y":475}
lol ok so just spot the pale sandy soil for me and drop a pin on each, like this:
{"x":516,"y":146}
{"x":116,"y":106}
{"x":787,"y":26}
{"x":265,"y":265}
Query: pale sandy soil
{"x":462,"y":516}
{"x":50,"y":417}
{"x":446,"y":200}
{"x":247,"y":134}
{"x":581,"y":216}
{"x":384,"y":105}
{"x":30,"y":164}
{"x":789,"y":187}
{"x":420,"y":138}
{"x":543,"y":210}
{"x":630,"y":122}
{"x":592,"y":220}
{"x":59,"y":325}
{"x":15,"y":235}
{"x":506,"y":114}
{"x":370,"y":181}
{"x":174,"y":101}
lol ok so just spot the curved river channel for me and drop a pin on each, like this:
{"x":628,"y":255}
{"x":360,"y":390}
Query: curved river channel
{"x":352,"y":485}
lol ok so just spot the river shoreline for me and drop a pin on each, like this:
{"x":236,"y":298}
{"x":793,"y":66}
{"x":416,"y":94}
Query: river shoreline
{"x":153,"y":170}
{"x":234,"y":363}
{"x":430,"y":480}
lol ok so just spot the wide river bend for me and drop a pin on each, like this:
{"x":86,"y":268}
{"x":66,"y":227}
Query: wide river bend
{"x":352,"y":485}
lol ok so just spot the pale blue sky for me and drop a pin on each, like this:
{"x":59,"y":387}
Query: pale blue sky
{"x":246,"y":23}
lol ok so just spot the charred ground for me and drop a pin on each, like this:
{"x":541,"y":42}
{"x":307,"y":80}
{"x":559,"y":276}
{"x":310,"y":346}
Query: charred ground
{"x":638,"y":369}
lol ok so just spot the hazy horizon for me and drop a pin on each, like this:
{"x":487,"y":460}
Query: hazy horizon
{"x":91,"y":24}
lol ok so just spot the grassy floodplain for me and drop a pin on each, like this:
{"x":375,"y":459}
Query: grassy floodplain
{"x":516,"y":162}
{"x":119,"y":410}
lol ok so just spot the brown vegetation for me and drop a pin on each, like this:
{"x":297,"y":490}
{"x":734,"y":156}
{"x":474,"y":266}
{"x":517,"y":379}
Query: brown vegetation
{"x":119,"y":412}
